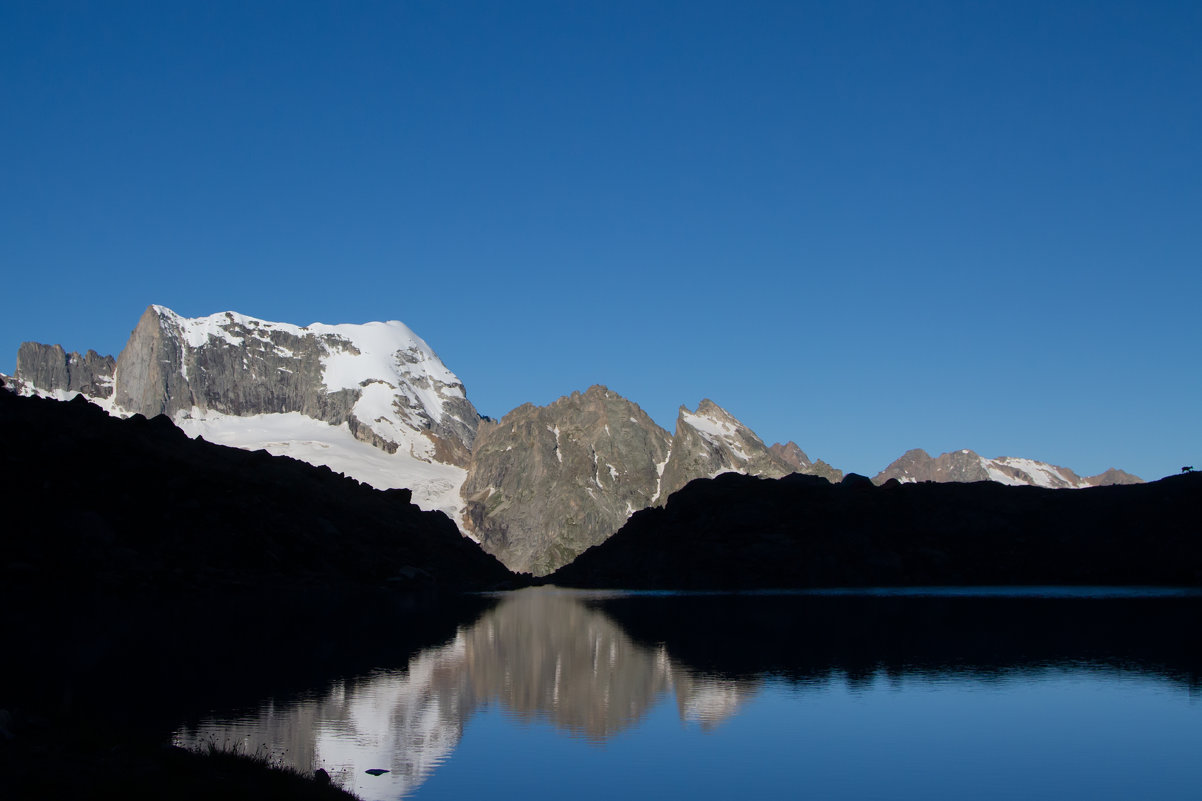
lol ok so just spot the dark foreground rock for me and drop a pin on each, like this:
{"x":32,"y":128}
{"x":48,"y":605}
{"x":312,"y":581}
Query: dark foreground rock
{"x":94,"y":502}
{"x":737,"y":532}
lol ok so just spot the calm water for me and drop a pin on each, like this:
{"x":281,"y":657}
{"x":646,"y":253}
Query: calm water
{"x":552,"y":694}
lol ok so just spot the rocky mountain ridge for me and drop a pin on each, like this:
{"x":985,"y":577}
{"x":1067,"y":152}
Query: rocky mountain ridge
{"x":966,"y":466}
{"x":374,"y":401}
{"x":547,"y":482}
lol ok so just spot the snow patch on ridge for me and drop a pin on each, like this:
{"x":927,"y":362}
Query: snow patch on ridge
{"x":1041,"y":474}
{"x":720,"y":433}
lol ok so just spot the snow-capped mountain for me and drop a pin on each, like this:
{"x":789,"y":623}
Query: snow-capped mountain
{"x":373,"y":401}
{"x":966,"y":465}
{"x":381,"y":379}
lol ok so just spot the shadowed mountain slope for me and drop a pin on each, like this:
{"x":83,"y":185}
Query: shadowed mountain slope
{"x":738,"y":531}
{"x":93,"y":500}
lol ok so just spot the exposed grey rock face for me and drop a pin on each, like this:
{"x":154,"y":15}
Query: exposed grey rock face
{"x":238,"y":365}
{"x":52,"y":369}
{"x":251,"y":372}
{"x":791,"y":454}
{"x":967,"y":466}
{"x":545,"y":483}
{"x":710,"y":441}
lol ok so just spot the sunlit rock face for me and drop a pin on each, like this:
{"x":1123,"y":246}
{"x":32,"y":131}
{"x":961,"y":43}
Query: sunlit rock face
{"x":57,"y":372}
{"x":542,"y":656}
{"x":709,"y":442}
{"x":547,"y":482}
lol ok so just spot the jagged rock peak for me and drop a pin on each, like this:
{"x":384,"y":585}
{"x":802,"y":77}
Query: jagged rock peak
{"x":711,"y":441}
{"x":965,"y":465}
{"x":547,"y":482}
{"x":791,"y":454}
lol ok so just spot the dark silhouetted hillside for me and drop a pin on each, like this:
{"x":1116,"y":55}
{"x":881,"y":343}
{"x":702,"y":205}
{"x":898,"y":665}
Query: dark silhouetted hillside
{"x":97,"y":502}
{"x":737,"y":531}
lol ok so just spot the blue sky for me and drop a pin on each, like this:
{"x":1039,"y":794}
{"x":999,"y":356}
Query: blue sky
{"x":865,"y":227}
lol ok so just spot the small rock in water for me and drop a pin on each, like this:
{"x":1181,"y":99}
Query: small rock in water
{"x":375,"y":771}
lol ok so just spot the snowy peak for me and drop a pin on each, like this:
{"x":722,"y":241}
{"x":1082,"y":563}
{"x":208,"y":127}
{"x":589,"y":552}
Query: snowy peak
{"x":966,"y":466}
{"x":380,"y":379}
{"x":720,"y":429}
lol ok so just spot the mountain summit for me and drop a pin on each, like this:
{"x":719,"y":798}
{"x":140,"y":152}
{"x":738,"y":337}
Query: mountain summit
{"x":547,"y":482}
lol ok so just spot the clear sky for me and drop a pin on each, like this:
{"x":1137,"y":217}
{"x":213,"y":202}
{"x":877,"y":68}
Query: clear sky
{"x":865,"y":227}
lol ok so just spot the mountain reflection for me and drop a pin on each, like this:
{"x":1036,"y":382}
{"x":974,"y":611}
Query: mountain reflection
{"x":542,"y":655}
{"x":594,"y":664}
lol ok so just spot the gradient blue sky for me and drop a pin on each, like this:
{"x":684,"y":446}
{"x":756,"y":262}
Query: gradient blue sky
{"x":866,"y":227}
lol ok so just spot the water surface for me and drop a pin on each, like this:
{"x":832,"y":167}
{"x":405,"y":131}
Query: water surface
{"x":948,"y":694}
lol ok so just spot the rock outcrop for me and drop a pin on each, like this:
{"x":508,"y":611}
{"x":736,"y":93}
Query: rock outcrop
{"x":547,"y":482}
{"x":55,"y":371}
{"x":966,"y":466}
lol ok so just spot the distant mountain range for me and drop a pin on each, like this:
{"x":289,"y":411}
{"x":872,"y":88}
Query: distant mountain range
{"x":375,"y":402}
{"x":965,"y":465}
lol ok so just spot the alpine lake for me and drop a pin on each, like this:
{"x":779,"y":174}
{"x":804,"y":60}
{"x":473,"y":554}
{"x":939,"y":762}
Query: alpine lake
{"x":1031,"y":693}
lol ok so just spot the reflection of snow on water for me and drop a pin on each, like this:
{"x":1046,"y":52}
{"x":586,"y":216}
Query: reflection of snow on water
{"x":404,"y":722}
{"x":540,"y":655}
{"x":711,"y":701}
